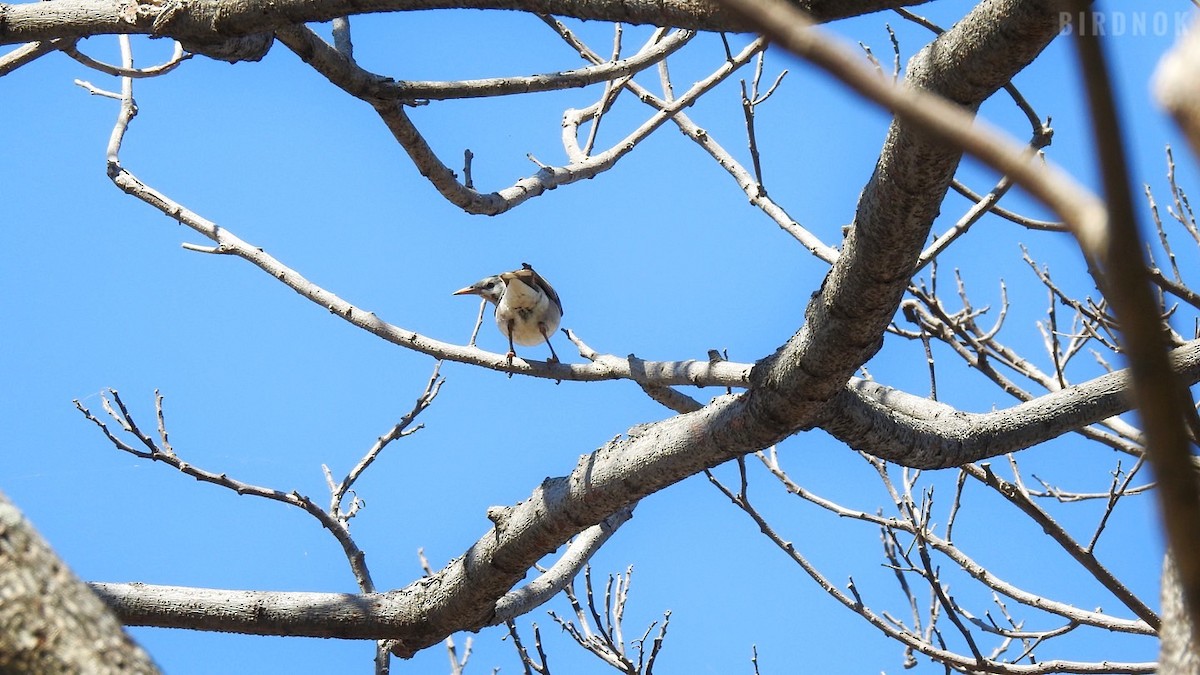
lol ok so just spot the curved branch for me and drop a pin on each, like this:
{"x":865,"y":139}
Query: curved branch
{"x":925,"y":434}
{"x":178,"y":56}
{"x":388,"y":100}
{"x":548,"y":177}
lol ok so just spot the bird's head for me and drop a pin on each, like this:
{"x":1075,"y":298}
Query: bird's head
{"x":490,"y":289}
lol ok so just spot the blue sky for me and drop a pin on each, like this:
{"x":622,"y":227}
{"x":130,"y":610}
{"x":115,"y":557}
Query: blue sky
{"x":660,"y":257}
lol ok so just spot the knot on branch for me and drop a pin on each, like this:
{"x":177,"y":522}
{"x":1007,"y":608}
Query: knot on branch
{"x":245,"y":48}
{"x":499,"y":515}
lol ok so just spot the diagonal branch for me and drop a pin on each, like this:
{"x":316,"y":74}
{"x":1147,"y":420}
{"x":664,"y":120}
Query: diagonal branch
{"x":846,"y":319}
{"x":26,"y":53}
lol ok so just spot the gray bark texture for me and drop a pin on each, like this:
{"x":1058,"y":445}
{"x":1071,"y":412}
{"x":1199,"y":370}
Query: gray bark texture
{"x":50,"y":621}
{"x":1177,"y":650}
{"x":200,"y":22}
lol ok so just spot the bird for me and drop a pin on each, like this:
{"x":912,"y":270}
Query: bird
{"x":528,"y":310}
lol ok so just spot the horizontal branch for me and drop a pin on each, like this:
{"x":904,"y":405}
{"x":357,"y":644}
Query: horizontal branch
{"x":355,"y":80}
{"x":211,"y":20}
{"x":327,"y":615}
{"x":607,"y":367}
{"x":410,"y":90}
{"x":334,"y":615}
{"x":922,"y":433}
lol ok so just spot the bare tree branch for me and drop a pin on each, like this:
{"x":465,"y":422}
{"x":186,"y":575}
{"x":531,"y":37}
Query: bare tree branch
{"x":522,"y":600}
{"x":209,"y":20}
{"x":918,"y":432}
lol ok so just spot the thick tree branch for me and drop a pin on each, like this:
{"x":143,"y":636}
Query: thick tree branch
{"x":51,"y":622}
{"x":329,"y":615}
{"x":926,"y":434}
{"x":216,"y":20}
{"x":845,"y":320}
{"x":521,"y":601}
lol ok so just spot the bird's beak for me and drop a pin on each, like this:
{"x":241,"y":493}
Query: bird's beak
{"x":469,"y":290}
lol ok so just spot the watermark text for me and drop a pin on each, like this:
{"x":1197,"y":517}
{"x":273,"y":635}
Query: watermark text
{"x":1125,"y":23}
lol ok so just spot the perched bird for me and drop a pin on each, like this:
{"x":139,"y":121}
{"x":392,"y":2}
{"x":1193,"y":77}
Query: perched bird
{"x":527,"y":308}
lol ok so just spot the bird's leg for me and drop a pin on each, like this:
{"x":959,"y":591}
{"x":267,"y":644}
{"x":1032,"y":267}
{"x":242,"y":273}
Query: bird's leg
{"x":542,"y":329}
{"x":511,"y":350}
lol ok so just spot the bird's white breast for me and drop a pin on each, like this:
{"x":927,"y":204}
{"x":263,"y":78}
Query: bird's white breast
{"x":526,"y":307}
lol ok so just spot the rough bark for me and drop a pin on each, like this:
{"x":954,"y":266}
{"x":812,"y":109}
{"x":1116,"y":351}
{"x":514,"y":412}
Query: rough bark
{"x":1177,"y":653}
{"x":50,"y":621}
{"x":925,"y":434}
{"x":214,"y":21}
{"x":846,"y":319}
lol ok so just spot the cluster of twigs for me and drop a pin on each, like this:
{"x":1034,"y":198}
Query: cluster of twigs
{"x":598,"y":629}
{"x":336,"y":518}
